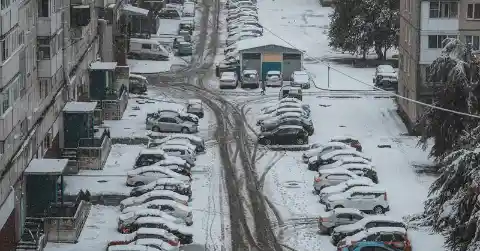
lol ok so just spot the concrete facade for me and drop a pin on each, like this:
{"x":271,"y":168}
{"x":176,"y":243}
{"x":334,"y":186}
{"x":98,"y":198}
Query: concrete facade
{"x":43,"y":64}
{"x":424,"y":25}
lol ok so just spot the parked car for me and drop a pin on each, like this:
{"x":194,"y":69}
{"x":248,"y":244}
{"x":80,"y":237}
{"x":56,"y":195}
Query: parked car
{"x":395,"y":237}
{"x":386,"y":77}
{"x":124,"y":220}
{"x":281,"y":111}
{"x":154,"y":195}
{"x":344,"y":186}
{"x":282,"y":116}
{"x":284,"y":135}
{"x":194,"y":140}
{"x":145,"y":233}
{"x":306,"y":124}
{"x":368,"y":245}
{"x":170,"y":122}
{"x":331,"y":177}
{"x":184,"y":49}
{"x":246,"y":28}
{"x":362,"y":170}
{"x":345,"y":160}
{"x":189,"y":9}
{"x":195,"y":107}
{"x":290,"y":92}
{"x":133,"y":247}
{"x":341,"y":232}
{"x":180,"y":151}
{"x":273,"y":108}
{"x":142,"y":49}
{"x":338,"y":217}
{"x":179,"y":142}
{"x":250,"y":78}
{"x":228,"y":79}
{"x":323,"y":149}
{"x":169,"y":13}
{"x":149,"y":156}
{"x":184,"y":233}
{"x":316,"y":162}
{"x":172,"y":184}
{"x":170,"y":207}
{"x":181,"y":114}
{"x":300,"y":79}
{"x":147,"y":174}
{"x":137,"y":84}
{"x":348,"y":140}
{"x":364,"y":198}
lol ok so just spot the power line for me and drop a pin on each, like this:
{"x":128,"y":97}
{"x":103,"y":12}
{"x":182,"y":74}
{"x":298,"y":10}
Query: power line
{"x":374,"y":87}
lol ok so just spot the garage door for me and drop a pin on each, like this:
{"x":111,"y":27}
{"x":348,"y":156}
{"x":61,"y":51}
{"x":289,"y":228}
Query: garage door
{"x":291,"y":62}
{"x":271,"y":62}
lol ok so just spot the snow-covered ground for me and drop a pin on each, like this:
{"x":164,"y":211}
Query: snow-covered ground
{"x":132,"y":123}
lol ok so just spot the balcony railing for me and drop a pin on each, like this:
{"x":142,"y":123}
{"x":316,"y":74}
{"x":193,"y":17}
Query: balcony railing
{"x":67,"y":228}
{"x":92,"y":153}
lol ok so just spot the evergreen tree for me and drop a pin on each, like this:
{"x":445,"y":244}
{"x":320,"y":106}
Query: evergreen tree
{"x":456,"y":78}
{"x":356,"y":26}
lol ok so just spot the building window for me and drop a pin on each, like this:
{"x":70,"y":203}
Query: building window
{"x":44,"y":88}
{"x":43,"y":8}
{"x":438,"y":41}
{"x":443,"y":9}
{"x":20,"y":38}
{"x":473,"y":11}
{"x":474,"y":41}
{"x":4,"y":50}
{"x":43,"y":48}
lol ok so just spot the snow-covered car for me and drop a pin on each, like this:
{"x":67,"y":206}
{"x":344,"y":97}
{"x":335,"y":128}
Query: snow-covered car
{"x":338,"y":217}
{"x":331,"y":177}
{"x":180,"y":142}
{"x":273,"y":108}
{"x":395,"y":237}
{"x":244,"y":14}
{"x":228,"y":79}
{"x":274,"y":78}
{"x":366,"y":223}
{"x":145,"y":233}
{"x":195,"y":107}
{"x":284,"y":135}
{"x":170,"y":207}
{"x":321,"y":150}
{"x":316,"y":162}
{"x":184,"y":233}
{"x":198,"y":142}
{"x":133,"y":247}
{"x":172,"y":184}
{"x":181,"y":151}
{"x":362,"y":170}
{"x":347,"y":160}
{"x":278,"y":112}
{"x":154,"y":195}
{"x":307,"y":124}
{"x":283,"y":116}
{"x":181,"y":114}
{"x":147,"y":157}
{"x":244,"y":22}
{"x":240,"y":36}
{"x":169,"y":122}
{"x":147,"y":174}
{"x":126,"y":219}
{"x":355,"y":143}
{"x":246,"y":28}
{"x":300,"y":79}
{"x":385,"y":77}
{"x":344,"y":186}
{"x":364,"y":198}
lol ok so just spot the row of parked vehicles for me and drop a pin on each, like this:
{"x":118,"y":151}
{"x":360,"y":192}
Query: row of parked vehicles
{"x":183,"y":120}
{"x":157,"y":215}
{"x":347,"y":184}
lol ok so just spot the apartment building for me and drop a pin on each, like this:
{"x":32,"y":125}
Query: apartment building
{"x":46,"y":47}
{"x":424,"y":26}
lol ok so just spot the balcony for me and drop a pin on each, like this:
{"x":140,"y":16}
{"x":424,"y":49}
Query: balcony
{"x":47,"y":68}
{"x":65,"y":222}
{"x":436,"y":24}
{"x":92,"y":153}
{"x":48,"y":26}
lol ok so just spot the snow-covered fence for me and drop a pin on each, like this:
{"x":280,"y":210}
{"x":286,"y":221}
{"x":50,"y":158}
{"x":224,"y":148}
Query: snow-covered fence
{"x":67,"y":229}
{"x":93,"y":153}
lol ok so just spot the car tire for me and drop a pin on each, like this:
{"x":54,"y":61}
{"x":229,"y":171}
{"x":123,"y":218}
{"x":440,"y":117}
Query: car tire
{"x":378,"y":210}
{"x":338,"y":206}
{"x":156,"y":129}
{"x":139,"y":183}
{"x":201,"y":115}
{"x":300,"y":141}
{"x":316,"y":192}
{"x":184,"y":130}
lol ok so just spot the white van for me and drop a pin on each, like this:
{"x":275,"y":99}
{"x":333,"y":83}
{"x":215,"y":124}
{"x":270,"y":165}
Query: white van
{"x":147,"y":49}
{"x":189,"y":9}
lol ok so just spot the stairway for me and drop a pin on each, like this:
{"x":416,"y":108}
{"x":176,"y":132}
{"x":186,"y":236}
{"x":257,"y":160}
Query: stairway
{"x":71,"y":155}
{"x":32,"y":233}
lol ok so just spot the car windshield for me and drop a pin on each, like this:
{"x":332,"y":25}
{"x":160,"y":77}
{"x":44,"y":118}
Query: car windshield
{"x":273,"y":76}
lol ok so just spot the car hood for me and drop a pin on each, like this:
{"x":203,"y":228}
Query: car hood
{"x":389,"y":74}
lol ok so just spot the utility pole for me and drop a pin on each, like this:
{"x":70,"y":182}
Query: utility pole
{"x":328,"y":75}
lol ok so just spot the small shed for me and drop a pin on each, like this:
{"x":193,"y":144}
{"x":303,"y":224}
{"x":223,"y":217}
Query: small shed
{"x":269,"y":53}
{"x":102,"y":78}
{"x":78,"y":122}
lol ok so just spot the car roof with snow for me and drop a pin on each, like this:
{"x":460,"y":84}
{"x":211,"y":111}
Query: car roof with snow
{"x":250,"y":72}
{"x":344,"y":152}
{"x":183,"y":136}
{"x":290,"y":127}
{"x":385,"y":68}
{"x":352,"y":159}
{"x":374,"y":230}
{"x":177,"y":141}
{"x":328,"y":144}
{"x":158,"y":202}
{"x":273,"y":72}
{"x":156,"y":242}
{"x":336,"y":171}
{"x":228,"y":76}
{"x":357,"y":166}
{"x":155,"y":231}
{"x":151,"y":151}
{"x":161,"y":181}
{"x":175,"y":147}
{"x":161,"y":169}
{"x":363,"y":189}
{"x":361,"y":223}
{"x":130,"y":247}
{"x":138,"y":76}
{"x":145,"y":196}
{"x":347,"y":211}
{"x":290,"y":109}
{"x":171,"y":160}
{"x":146,"y":212}
{"x":345,"y":184}
{"x":342,"y":138}
{"x":171,"y":225}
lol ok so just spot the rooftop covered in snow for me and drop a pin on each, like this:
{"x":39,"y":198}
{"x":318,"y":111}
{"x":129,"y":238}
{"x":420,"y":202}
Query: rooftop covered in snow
{"x":80,"y":107}
{"x":103,"y":65}
{"x":135,"y":11}
{"x":262,"y":41}
{"x":46,"y":167}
